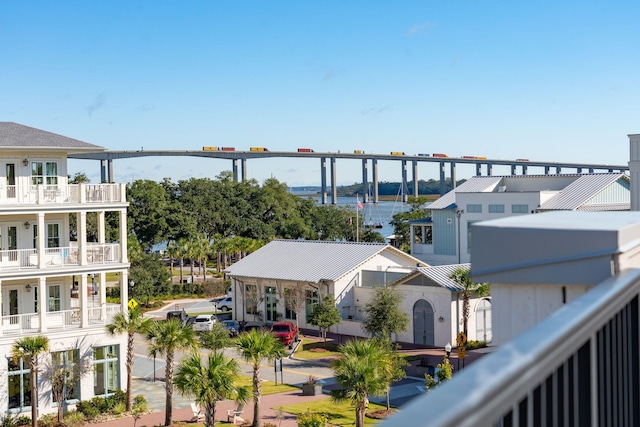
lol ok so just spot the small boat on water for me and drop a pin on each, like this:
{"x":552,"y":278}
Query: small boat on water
{"x":373,"y":224}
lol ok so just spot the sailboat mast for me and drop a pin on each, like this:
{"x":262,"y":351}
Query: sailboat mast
{"x":357,"y":220}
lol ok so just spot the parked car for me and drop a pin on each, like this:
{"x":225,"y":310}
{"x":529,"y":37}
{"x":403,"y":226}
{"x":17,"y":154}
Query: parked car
{"x":204,"y":322}
{"x":248,"y":326}
{"x":225,"y":304}
{"x":233,"y":326}
{"x":287,"y":332}
{"x":179,"y":315}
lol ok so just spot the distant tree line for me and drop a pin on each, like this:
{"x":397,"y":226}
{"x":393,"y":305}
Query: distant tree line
{"x":386,"y":188}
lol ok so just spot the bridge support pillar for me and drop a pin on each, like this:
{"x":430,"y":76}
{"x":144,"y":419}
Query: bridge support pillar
{"x":524,"y":169}
{"x":578,"y":170}
{"x":558,"y":169}
{"x":414,"y":173}
{"x":478,"y":169}
{"x":234,"y":167}
{"x":103,"y":170}
{"x":546,"y":170}
{"x":405,"y":190}
{"x":452,"y":168}
{"x":634,"y":171}
{"x":110,"y":178}
{"x":489,"y":169}
{"x":365,"y":181}
{"x":513,"y":169}
{"x":590,"y":170}
{"x":334,"y":184}
{"x":243,"y":163}
{"x":323,"y":180}
{"x":374,"y":166}
{"x":442,"y":186}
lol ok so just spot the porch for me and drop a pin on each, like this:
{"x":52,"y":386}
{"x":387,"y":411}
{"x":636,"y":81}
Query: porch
{"x":30,"y":259}
{"x":62,"y":193}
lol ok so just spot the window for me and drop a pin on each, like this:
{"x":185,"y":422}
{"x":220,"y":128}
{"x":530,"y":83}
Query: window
{"x":53,"y":235}
{"x":19,"y":384}
{"x":519,"y":208}
{"x":417,"y":234}
{"x":54,"y":297}
{"x":106,"y":370}
{"x":428,"y":235}
{"x":251,"y":299}
{"x":34,"y":227}
{"x":289,"y":303}
{"x":469,"y":235}
{"x":474,"y":208}
{"x":44,"y":172}
{"x":65,"y":375}
{"x":496,"y":208}
{"x":311,"y":300}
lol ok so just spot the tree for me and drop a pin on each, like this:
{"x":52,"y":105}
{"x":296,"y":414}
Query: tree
{"x":147,"y":213}
{"x":216,"y":339}
{"x":30,"y":348}
{"x":295,"y":300}
{"x":64,"y":375}
{"x":393,"y":367}
{"x":444,"y":373}
{"x":400,"y":221}
{"x":462,"y":276}
{"x":130,"y":323}
{"x":149,"y":276}
{"x":165,"y":338}
{"x":384,"y":315}
{"x":361,"y":372}
{"x":324,"y":315}
{"x":254,"y":347}
{"x":211,"y":382}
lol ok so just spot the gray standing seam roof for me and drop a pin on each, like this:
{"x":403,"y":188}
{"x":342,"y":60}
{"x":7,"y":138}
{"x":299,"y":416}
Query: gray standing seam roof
{"x":14,"y":135}
{"x":440,"y":275}
{"x":581,"y":190}
{"x":306,"y":260}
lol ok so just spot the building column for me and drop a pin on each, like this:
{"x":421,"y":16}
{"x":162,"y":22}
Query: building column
{"x":81,"y":224}
{"x":43,"y":302}
{"x":102,"y":284}
{"x":82,"y":295}
{"x":42,"y":240}
{"x":124,"y":291}
{"x":101,"y":228}
{"x":634,"y":170}
{"x":123,"y":236}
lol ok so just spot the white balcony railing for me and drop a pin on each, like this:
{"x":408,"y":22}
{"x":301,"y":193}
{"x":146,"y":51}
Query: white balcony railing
{"x":27,"y":259}
{"x":578,"y":367}
{"x":62,"y":193}
{"x":29,"y":323}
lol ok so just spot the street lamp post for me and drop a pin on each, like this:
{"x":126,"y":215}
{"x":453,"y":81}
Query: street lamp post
{"x":447,"y":349}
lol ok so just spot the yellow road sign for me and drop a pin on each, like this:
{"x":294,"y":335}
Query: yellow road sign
{"x":132,"y":304}
{"x":461,"y":339}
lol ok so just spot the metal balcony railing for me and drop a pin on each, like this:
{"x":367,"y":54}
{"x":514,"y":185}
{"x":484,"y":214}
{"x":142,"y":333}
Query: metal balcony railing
{"x":27,"y":259}
{"x":578,"y":367}
{"x":62,"y":193}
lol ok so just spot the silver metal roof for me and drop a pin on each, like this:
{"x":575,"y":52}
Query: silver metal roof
{"x":581,"y":190}
{"x":473,"y":185}
{"x":440,"y":275}
{"x":309,"y":260}
{"x":17,"y":136}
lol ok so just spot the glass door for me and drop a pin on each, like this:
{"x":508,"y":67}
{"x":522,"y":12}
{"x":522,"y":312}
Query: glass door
{"x":11,"y":181}
{"x":270,"y":309}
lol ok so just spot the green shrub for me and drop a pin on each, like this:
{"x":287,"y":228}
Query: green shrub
{"x":23,"y":420}
{"x":139,"y":403}
{"x":7,"y":421}
{"x":74,"y":419}
{"x":118,"y":408}
{"x":472,"y":344}
{"x":89,"y":410}
{"x":311,"y":419}
{"x":118,"y":397}
{"x":269,"y":425}
{"x":48,"y":420}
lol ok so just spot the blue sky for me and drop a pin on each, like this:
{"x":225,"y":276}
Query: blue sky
{"x":545,"y":80}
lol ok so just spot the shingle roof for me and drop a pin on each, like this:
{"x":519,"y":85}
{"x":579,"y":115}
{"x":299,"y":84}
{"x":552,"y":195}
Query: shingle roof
{"x":581,"y":190}
{"x":440,"y":275}
{"x":14,"y":135}
{"x":472,"y":185}
{"x":308,"y":260}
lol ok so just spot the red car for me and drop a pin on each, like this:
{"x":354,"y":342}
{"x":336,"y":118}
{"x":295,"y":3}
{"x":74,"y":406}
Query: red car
{"x":287,"y":332}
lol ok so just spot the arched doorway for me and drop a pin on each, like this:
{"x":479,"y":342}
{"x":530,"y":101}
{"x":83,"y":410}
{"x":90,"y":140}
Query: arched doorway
{"x":483,"y":321}
{"x":423,"y":323}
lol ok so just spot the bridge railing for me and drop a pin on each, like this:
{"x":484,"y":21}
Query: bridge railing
{"x":578,"y":367}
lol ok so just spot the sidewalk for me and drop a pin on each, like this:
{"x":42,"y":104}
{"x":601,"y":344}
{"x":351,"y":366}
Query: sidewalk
{"x":182,"y":410}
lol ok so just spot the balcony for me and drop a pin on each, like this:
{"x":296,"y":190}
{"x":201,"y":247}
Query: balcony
{"x":578,"y":367}
{"x":29,"y":323}
{"x":62,"y":193}
{"x":27,"y":259}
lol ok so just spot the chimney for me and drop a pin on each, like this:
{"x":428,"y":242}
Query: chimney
{"x":634,"y":170}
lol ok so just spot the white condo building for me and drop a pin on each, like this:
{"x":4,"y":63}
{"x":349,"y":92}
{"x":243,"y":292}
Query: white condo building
{"x":54,"y":258}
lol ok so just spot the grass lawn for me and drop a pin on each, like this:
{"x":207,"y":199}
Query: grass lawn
{"x":268,"y":387}
{"x":311,"y":349}
{"x":340,"y":414}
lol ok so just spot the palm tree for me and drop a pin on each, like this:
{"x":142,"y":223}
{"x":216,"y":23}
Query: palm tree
{"x":181,"y":252}
{"x":255,"y":346}
{"x":131,"y":322}
{"x":30,"y":348}
{"x":166,"y":338}
{"x":462,"y":276}
{"x":361,"y":371}
{"x":211,"y":382}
